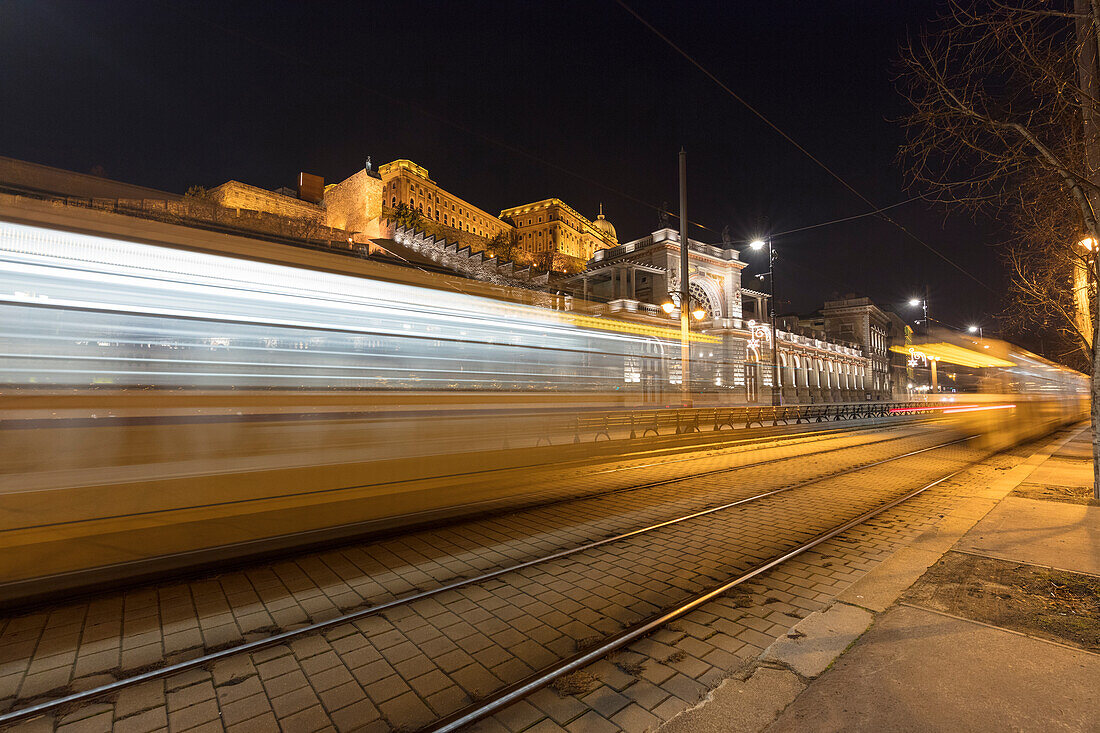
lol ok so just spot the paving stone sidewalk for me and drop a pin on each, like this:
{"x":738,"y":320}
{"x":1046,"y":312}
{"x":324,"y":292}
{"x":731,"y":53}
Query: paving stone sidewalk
{"x":956,"y":671}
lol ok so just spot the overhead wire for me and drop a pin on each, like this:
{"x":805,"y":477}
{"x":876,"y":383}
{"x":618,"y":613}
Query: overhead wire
{"x":539,"y":159}
{"x":849,"y":218}
{"x":795,"y":143}
{"x":493,"y":141}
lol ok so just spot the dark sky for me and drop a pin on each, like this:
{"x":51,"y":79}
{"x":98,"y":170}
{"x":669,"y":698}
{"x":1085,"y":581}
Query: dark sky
{"x":169,"y":94}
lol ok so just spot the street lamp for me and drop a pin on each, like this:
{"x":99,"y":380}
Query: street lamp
{"x":981,"y":335}
{"x":687,"y":310}
{"x":758,"y":244}
{"x":670,"y":306}
{"x":923,"y":304}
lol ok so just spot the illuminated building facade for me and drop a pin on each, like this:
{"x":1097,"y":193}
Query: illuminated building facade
{"x":861,"y":321}
{"x":544,"y":226}
{"x":634,"y":279}
{"x":405,"y":182}
{"x":553,"y":225}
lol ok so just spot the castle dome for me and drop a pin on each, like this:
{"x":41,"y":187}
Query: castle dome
{"x":605,"y":226}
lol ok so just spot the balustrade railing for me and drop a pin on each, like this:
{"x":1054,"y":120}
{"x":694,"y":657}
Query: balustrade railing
{"x":631,"y":424}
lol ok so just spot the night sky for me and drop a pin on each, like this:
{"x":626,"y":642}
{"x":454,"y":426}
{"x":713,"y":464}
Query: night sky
{"x":512,"y":102}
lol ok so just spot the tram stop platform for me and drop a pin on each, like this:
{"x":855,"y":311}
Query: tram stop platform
{"x":988,"y":622}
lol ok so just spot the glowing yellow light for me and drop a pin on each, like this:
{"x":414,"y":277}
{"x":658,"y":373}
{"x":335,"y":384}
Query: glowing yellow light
{"x":668,"y":307}
{"x":969,"y":408}
{"x":635,"y":329}
{"x":1088,"y":243}
{"x":953,"y":354}
{"x":699,"y":314}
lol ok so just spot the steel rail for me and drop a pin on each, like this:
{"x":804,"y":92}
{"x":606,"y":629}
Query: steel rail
{"x":253,"y":646}
{"x":519,"y":690}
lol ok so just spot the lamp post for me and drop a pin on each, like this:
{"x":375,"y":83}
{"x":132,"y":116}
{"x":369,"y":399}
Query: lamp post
{"x":977,"y":330}
{"x":685,"y":296}
{"x":758,"y":244}
{"x":923,"y":304}
{"x":674,"y":305}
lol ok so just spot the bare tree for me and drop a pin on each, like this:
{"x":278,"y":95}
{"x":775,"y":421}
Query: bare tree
{"x":1050,"y":288}
{"x":1004,"y":116}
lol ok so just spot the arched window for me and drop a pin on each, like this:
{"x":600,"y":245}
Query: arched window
{"x":804,"y":368}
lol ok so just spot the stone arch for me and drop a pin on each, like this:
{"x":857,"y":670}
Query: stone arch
{"x":705,"y":291}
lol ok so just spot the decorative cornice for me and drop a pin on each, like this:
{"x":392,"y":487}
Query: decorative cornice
{"x":404,"y":164}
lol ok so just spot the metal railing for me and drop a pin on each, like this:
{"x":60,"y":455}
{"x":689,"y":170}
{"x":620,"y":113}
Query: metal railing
{"x":679,"y":421}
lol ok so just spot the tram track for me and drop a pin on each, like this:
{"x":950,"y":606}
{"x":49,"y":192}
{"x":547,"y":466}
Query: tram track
{"x":204,"y":661}
{"x":519,"y":690}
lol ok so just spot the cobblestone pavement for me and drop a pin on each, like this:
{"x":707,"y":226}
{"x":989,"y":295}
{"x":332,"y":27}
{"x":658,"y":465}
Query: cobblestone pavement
{"x":74,"y":646}
{"x":673,"y":669}
{"x":414,"y":663}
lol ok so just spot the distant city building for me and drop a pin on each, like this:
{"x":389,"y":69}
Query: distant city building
{"x":634,"y":279}
{"x":548,"y":226}
{"x":861,"y":321}
{"x":405,"y":182}
{"x":554,"y":226}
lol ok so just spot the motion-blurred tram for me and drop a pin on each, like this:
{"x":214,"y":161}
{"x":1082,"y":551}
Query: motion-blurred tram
{"x":168,"y":400}
{"x":82,"y":311}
